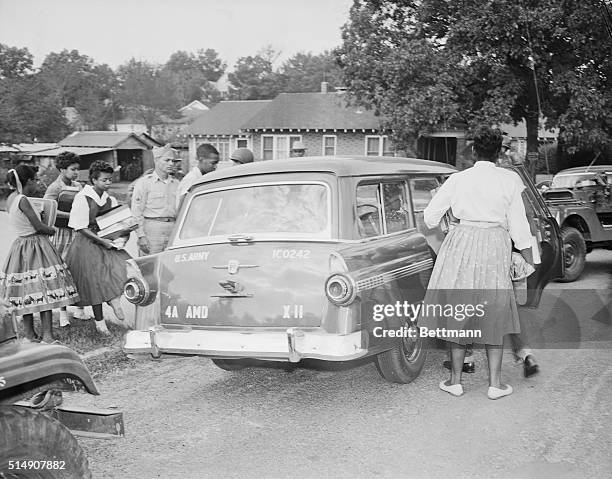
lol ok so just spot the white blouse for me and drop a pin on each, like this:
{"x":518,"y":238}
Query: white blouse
{"x":484,"y":193}
{"x":79,"y":214}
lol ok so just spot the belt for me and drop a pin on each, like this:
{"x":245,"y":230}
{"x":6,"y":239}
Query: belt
{"x":480,"y":224}
{"x":165,"y":219}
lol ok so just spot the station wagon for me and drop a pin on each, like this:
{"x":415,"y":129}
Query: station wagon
{"x":289,"y":260}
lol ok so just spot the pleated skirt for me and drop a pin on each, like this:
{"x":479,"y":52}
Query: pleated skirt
{"x":99,"y":273}
{"x":470,"y":293}
{"x":62,"y":239}
{"x":34,"y":277}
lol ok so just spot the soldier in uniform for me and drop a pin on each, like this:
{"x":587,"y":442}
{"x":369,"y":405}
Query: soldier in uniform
{"x":154,"y":202}
{"x":241,"y":156}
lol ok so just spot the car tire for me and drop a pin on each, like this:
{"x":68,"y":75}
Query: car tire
{"x":31,"y":436}
{"x":229,"y":364}
{"x":574,"y":253}
{"x":404,"y":362}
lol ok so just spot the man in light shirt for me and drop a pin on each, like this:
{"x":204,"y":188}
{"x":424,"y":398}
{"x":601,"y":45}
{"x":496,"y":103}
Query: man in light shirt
{"x":208,"y":159}
{"x":154,"y":202}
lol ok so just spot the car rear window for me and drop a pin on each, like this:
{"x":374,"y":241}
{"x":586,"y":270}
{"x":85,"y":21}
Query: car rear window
{"x":287,"y":210}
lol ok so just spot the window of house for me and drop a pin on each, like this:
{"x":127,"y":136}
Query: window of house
{"x":329,"y":145}
{"x":223,"y":147}
{"x":376,"y":145}
{"x":276,"y":147}
{"x":242,"y":142}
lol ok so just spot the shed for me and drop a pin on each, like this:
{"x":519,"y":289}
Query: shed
{"x":128,"y":150}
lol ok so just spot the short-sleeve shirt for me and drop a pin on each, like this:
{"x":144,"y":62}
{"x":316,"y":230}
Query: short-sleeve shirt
{"x":55,"y":188}
{"x":190,"y":178}
{"x":154,"y":198}
{"x":80,"y":212}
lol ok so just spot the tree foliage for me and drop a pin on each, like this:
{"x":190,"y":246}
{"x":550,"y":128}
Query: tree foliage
{"x":14,"y":62}
{"x":76,"y":81}
{"x":431,"y":64}
{"x":192,"y":76}
{"x":146,"y":91}
{"x":28,"y":110}
{"x":254,"y":77}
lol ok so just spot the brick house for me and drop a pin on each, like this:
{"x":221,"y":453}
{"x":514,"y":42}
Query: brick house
{"x":324,"y":122}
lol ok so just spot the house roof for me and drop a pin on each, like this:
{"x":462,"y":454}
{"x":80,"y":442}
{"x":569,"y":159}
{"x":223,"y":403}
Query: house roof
{"x":338,"y":165}
{"x":195,"y":105}
{"x":79,"y":150}
{"x":324,"y":111}
{"x":100,"y":139}
{"x":225,"y":118}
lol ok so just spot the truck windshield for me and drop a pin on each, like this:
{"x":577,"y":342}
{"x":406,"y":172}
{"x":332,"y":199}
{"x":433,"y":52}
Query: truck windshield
{"x":287,"y":210}
{"x":570,"y":181}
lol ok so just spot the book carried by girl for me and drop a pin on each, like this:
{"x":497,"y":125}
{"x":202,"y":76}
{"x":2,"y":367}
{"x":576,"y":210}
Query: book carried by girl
{"x":34,"y":278}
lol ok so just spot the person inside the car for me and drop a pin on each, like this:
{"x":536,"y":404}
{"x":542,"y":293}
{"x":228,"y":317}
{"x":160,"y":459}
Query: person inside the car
{"x":473,"y":264}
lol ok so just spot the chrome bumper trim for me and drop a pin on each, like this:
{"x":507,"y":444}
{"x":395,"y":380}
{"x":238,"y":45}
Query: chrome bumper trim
{"x":290,"y":345}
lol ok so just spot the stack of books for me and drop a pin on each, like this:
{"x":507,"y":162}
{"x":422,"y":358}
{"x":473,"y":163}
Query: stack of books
{"x":47,"y":209}
{"x":116,"y":223}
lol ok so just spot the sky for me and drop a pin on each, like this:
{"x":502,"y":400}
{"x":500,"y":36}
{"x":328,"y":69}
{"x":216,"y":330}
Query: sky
{"x":113,"y":31}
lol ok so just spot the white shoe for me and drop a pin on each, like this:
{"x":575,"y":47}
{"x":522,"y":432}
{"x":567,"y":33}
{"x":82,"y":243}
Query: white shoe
{"x":81,"y":314}
{"x":454,"y":389}
{"x":63,"y":320}
{"x":496,"y":393}
{"x":101,"y":327}
{"x":116,"y":305}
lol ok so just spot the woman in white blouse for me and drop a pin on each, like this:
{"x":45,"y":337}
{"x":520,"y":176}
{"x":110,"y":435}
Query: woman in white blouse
{"x":472,"y":270}
{"x":97,"y":266}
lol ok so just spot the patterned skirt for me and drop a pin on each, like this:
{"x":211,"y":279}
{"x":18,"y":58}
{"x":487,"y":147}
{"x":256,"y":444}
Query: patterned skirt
{"x":470,"y":298}
{"x":35,"y":278}
{"x":62,"y":239}
{"x":99,"y":273}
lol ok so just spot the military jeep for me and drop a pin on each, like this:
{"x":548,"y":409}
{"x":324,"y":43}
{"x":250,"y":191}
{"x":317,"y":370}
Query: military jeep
{"x":581,"y":201}
{"x":36,"y":430}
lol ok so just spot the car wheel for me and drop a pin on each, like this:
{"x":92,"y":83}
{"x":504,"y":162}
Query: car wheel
{"x":29,"y":438}
{"x":404,"y":362}
{"x":574,"y":253}
{"x":229,"y":364}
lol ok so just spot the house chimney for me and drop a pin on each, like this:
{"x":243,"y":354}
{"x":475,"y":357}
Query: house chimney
{"x":324,"y":86}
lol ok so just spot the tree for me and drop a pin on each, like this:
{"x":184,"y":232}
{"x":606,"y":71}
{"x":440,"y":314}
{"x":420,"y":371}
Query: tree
{"x":193,"y":76}
{"x":304,"y":72}
{"x":146,"y":90}
{"x":28,"y":112}
{"x":433,"y":63}
{"x":77,"y":81}
{"x":14,"y":62}
{"x":253,"y":77}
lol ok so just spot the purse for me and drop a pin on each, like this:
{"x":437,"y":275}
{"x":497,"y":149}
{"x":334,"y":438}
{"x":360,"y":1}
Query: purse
{"x":519,"y":268}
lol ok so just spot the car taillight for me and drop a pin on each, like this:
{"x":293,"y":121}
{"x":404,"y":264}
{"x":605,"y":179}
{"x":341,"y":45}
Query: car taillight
{"x":340,"y":289}
{"x":137,"y":291}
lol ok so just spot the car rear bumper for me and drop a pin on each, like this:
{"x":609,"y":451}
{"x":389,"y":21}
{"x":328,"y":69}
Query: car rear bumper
{"x":292,"y":344}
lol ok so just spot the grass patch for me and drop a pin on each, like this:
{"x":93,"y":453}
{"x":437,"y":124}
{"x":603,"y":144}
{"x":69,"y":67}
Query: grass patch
{"x":82,"y":336}
{"x":107,"y":363}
